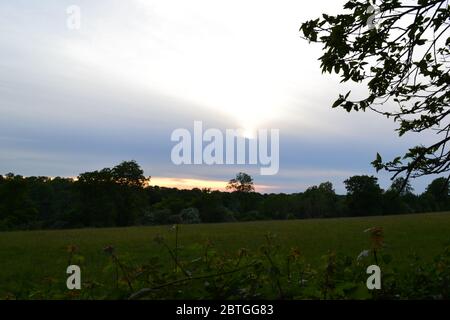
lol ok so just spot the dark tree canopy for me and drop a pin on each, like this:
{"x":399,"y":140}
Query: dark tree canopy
{"x":439,"y":189}
{"x":242,"y":183}
{"x":129,"y":173}
{"x":401,"y":186}
{"x":400,"y":53}
{"x":101,"y":199}
{"x":319,"y":201}
{"x":119,"y":190}
{"x":363,"y":195}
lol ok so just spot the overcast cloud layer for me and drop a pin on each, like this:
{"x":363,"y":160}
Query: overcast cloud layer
{"x":78,"y":100}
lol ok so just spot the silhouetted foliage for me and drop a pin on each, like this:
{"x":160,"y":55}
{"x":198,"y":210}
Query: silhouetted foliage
{"x":399,"y":198}
{"x":319,"y":201}
{"x":242,"y":183}
{"x":120,"y":191}
{"x":16,"y":207}
{"x":363,"y":195}
{"x":400,"y":53}
{"x":437,"y":194}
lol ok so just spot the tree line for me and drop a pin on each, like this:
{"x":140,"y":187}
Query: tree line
{"x":121,"y":196}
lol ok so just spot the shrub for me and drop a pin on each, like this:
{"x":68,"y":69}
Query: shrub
{"x":159,"y":216}
{"x":190,"y":215}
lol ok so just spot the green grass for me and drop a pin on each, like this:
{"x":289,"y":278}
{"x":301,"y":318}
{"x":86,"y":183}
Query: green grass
{"x":29,"y":257}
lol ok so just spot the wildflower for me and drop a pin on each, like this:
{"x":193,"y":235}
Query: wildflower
{"x":109,"y":249}
{"x":376,"y":237}
{"x":363,"y":254}
{"x":72,"y":248}
{"x":49,"y":280}
{"x":295,"y":253}
{"x":242,"y":252}
{"x":208,"y":243}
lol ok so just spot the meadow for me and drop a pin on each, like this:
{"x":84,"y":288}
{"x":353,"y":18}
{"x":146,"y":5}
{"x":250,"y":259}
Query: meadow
{"x":33,"y":259}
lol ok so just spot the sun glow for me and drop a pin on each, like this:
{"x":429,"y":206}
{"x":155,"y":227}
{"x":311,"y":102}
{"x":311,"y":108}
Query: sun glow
{"x":187,"y":183}
{"x":191,"y":183}
{"x":197,"y":56}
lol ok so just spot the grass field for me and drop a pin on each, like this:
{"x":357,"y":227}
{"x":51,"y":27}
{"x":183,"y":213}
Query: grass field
{"x":30,"y":257}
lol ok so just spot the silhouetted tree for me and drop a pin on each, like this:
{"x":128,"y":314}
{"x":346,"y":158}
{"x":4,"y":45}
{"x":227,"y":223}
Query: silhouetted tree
{"x":399,"y":198}
{"x":242,"y":183}
{"x":16,"y":208}
{"x":129,"y":192}
{"x":363,"y":195}
{"x":319,"y":201}
{"x":97,"y":198}
{"x":437,"y":194}
{"x":401,"y":186}
{"x":129,"y":173}
{"x":113,"y":196}
{"x":403,"y":60}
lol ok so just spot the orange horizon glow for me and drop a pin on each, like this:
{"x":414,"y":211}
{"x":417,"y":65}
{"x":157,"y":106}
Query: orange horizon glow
{"x":188,"y":183}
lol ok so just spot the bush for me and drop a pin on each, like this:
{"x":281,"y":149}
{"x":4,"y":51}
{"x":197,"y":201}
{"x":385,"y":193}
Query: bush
{"x":190,"y":216}
{"x":252,"y":215}
{"x":175,"y":219}
{"x":160,"y":216}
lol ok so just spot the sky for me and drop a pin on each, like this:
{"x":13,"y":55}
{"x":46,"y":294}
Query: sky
{"x":76,"y":100}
